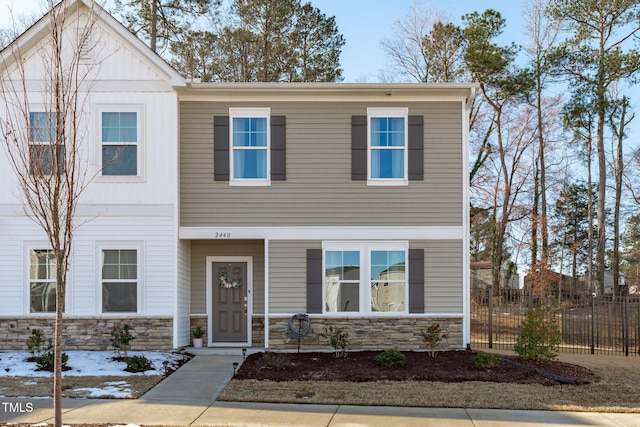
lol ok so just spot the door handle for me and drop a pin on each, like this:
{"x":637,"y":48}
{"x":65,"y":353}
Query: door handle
{"x":245,"y":308}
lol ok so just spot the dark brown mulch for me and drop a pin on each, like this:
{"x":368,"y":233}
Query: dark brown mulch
{"x":448,"y":366}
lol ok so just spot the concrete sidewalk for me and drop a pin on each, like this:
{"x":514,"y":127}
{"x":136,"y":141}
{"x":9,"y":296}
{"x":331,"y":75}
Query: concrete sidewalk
{"x":259,"y":414}
{"x":187,"y":397}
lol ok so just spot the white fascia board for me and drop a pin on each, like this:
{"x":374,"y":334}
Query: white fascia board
{"x":323,"y":233}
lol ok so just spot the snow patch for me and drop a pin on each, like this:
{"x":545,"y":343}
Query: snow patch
{"x":116,"y":389}
{"x":86,"y":363}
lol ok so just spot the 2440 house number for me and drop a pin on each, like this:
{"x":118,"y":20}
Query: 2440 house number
{"x":219,"y":235}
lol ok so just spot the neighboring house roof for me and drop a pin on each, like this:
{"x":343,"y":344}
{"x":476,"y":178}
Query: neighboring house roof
{"x":40,"y":29}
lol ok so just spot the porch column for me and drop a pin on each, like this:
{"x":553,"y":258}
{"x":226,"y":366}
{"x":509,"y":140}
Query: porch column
{"x":266,"y":293}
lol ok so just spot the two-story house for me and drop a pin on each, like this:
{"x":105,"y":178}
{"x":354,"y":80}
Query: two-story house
{"x":236,"y":206}
{"x":123,"y":267}
{"x":347,"y":202}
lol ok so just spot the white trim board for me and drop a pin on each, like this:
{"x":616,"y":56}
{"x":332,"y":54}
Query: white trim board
{"x":322,"y":233}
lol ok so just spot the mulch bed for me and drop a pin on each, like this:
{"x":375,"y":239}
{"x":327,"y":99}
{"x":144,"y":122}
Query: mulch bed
{"x":447,"y":366}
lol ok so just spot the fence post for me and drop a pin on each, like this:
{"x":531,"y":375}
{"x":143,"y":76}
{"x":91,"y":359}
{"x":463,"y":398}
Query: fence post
{"x":593,"y":321}
{"x":626,"y":326}
{"x":490,"y":316}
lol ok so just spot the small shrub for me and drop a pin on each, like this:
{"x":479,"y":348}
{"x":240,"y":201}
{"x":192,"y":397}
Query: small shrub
{"x":338,"y":338}
{"x":432,"y":337}
{"x":486,"y":361}
{"x":275,"y":360}
{"x":121,"y":339}
{"x":198,"y":332}
{"x":390,"y":357}
{"x":46,"y":361}
{"x":138,"y":363}
{"x":540,"y":335}
{"x":35,"y":343}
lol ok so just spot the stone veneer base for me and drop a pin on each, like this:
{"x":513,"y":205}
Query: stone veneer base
{"x":365,"y":333}
{"x":88,"y":333}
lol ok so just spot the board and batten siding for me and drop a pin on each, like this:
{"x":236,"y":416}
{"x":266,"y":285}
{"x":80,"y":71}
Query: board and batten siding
{"x":319,"y":190}
{"x":201,"y":249}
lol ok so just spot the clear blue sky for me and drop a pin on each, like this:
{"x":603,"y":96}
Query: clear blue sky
{"x":363,"y":23}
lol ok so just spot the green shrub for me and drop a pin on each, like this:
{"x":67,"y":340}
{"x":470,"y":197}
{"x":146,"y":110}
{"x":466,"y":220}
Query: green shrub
{"x":198,"y":332}
{"x":138,"y":363}
{"x":121,"y":339}
{"x":390,"y":357}
{"x":35,"y":343}
{"x":338,"y":338}
{"x":46,"y":361}
{"x":275,"y":360}
{"x":540,"y":335}
{"x":486,"y":361}
{"x":432,"y":337}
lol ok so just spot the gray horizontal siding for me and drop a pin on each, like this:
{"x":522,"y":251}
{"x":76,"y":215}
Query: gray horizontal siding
{"x":201,"y":249}
{"x":319,"y":190}
{"x":288,"y":275}
{"x":443,"y":269}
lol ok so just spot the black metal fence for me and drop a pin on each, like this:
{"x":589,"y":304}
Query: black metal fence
{"x":601,"y":325}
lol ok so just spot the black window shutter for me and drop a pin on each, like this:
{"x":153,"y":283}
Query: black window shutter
{"x":221,"y":148}
{"x":359,"y":148}
{"x":416,"y":148}
{"x":278,"y":148}
{"x":314,"y":280}
{"x":416,"y":280}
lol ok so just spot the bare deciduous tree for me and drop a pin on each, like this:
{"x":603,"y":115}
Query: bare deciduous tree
{"x":405,"y":46}
{"x":45,"y":92}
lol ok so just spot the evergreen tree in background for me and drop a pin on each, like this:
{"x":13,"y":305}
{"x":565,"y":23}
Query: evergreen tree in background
{"x":264,"y":41}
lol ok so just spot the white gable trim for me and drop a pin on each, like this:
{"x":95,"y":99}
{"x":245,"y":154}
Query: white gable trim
{"x":40,"y":29}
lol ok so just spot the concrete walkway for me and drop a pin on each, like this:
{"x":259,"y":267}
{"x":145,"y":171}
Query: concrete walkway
{"x":187,"y":397}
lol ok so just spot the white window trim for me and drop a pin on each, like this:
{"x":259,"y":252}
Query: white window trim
{"x":27,"y":248}
{"x":140,"y":143}
{"x":120,"y":245}
{"x":376,"y":112}
{"x":365,"y":248}
{"x":250,"y":113}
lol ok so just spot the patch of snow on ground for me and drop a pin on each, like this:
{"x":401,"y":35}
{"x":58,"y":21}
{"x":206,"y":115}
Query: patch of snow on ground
{"x":85,"y":363}
{"x":115,"y":389}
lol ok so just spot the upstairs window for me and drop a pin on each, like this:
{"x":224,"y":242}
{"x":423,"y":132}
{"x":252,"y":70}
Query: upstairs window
{"x":250,"y":144}
{"x":45,"y":155}
{"x":387,"y":145}
{"x":42,"y":281}
{"x":119,"y":140}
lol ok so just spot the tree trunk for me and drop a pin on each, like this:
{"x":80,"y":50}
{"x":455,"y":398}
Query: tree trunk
{"x":154,"y":25}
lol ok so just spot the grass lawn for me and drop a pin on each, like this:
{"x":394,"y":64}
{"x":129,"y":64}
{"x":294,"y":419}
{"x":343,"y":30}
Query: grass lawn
{"x":615,"y":392}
